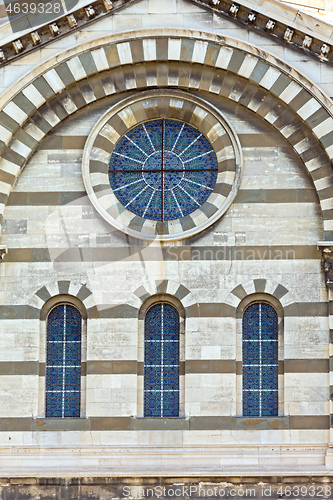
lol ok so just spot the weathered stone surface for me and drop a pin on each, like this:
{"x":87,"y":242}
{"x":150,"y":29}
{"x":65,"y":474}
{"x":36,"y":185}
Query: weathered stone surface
{"x":265,"y":248}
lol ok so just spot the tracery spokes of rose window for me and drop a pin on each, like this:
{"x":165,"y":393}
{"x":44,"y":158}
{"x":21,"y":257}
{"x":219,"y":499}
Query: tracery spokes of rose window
{"x":163,"y":169}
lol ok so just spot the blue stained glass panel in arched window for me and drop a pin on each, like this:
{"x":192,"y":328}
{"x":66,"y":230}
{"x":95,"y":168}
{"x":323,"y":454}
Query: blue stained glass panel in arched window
{"x":163,"y":169}
{"x":260,"y":361}
{"x":63,"y":362}
{"x":161,"y":364}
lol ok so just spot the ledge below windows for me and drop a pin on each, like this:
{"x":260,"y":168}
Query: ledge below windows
{"x":196,"y":423}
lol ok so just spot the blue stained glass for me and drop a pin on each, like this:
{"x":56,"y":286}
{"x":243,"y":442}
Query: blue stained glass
{"x":252,"y":353}
{"x":260,"y":361}
{"x":154,"y":379}
{"x":170,"y":404}
{"x":161,"y":365}
{"x":251,"y":376}
{"x":54,"y":405}
{"x":152,"y":403}
{"x":71,"y":405}
{"x":250,"y":404}
{"x":270,"y":377}
{"x":163,"y":169}
{"x":170,"y":377}
{"x":269,"y":402}
{"x":269,"y":351}
{"x":63,"y":362}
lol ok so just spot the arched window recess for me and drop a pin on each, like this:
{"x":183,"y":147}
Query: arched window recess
{"x":162,"y":352}
{"x":260,"y":354}
{"x":63,"y":360}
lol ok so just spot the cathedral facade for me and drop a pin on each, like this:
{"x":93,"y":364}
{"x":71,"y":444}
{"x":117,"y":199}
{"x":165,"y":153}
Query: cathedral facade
{"x":166,"y":197}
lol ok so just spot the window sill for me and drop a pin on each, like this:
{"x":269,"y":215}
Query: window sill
{"x":262,"y":423}
{"x":62,"y":424}
{"x":160,"y":423}
{"x":127,"y":423}
{"x":202,"y":423}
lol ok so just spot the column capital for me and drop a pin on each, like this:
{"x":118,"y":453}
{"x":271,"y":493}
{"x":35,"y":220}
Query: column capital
{"x":326,"y":248}
{"x":3,"y":251}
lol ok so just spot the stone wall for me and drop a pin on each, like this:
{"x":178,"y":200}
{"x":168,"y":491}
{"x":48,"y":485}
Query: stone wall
{"x":263,"y":248}
{"x":254,"y":487}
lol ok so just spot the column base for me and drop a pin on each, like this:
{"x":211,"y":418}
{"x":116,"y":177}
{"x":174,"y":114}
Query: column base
{"x":329,"y":458}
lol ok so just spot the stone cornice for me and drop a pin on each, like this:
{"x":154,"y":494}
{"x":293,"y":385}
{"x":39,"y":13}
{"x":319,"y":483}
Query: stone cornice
{"x":283,"y":23}
{"x":38,"y":38}
{"x":291,"y":16}
{"x":280,"y":22}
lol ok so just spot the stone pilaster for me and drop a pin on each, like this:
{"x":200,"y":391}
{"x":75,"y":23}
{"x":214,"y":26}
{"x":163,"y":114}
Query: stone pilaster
{"x":327,"y":259}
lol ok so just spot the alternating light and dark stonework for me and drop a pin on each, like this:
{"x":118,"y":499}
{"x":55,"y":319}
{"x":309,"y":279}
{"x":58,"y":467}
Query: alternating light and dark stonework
{"x":259,"y":243}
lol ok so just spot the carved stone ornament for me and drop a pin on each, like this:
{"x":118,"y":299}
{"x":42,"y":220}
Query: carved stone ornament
{"x":326,"y":249}
{"x":3,"y":251}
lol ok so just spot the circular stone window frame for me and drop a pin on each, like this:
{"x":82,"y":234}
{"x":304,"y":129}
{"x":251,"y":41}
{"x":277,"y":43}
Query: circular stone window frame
{"x":152,"y":105}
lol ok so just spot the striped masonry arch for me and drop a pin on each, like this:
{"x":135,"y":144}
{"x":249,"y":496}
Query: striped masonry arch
{"x":152,"y":104}
{"x":169,"y":287}
{"x":63,"y":289}
{"x":259,"y":286}
{"x":168,"y":59}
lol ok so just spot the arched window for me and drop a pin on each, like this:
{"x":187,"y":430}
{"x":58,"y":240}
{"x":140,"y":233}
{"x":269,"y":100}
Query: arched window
{"x":63,"y":362}
{"x":161,"y":361}
{"x":260,"y":360}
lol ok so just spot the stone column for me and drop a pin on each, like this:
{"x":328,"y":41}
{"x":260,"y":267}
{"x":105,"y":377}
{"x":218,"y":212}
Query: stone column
{"x":327,"y":259}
